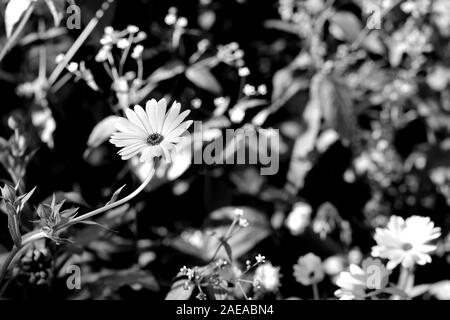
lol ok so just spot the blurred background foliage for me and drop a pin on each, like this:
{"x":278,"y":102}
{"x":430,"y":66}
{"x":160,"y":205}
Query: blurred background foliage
{"x":364,"y":127}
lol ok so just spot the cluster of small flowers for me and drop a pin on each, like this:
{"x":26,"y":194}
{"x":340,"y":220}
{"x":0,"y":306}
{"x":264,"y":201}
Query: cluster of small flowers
{"x":296,"y":11}
{"x":417,"y":8}
{"x":123,"y":40}
{"x":80,"y":72}
{"x":232,"y":55}
{"x":172,"y":19}
{"x":250,"y":90}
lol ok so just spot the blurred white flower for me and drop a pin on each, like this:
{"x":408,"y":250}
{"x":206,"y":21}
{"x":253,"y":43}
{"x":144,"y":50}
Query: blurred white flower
{"x":333,"y":265}
{"x":244,"y":72}
{"x":267,"y":276}
{"x":355,"y":256}
{"x":102,"y":54}
{"x":123,"y":43}
{"x":132,"y":29}
{"x":299,"y":218}
{"x":260,"y":259}
{"x":151,"y":132}
{"x":441,"y":290}
{"x":137,"y":52}
{"x":405,"y":241}
{"x":355,"y":282}
{"x":309,"y":270}
{"x":352,"y":284}
{"x":43,"y":119}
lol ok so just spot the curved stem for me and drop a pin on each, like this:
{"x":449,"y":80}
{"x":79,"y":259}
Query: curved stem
{"x":110,"y":206}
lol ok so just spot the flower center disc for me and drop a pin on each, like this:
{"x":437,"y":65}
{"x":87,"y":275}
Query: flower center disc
{"x":407,"y":246}
{"x":154,"y":139}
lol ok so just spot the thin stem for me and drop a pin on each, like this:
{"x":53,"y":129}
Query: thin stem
{"x":7,"y":262}
{"x":110,"y":206}
{"x":17,"y":31}
{"x":315,"y":291}
{"x":225,"y":238}
{"x":112,"y":64}
{"x":404,"y":280}
{"x":140,"y":68}
{"x":242,"y":290}
{"x":61,"y":82}
{"x":125,"y":53}
{"x":79,"y":42}
{"x":42,"y":53}
{"x":108,"y":70}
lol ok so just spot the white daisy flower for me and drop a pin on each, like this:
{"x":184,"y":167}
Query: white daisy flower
{"x":405,"y":241}
{"x":152,"y":132}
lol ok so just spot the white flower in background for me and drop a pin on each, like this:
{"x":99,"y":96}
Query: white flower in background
{"x":152,"y":132}
{"x":299,"y":218}
{"x":44,"y":121}
{"x":405,"y":241}
{"x":355,"y":282}
{"x":441,"y":290}
{"x":333,"y":265}
{"x":137,"y":52}
{"x":103,"y":53}
{"x":267,"y":276}
{"x":352,"y":284}
{"x":309,"y":270}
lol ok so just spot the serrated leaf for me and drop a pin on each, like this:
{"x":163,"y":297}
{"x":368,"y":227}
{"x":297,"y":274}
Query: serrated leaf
{"x":72,"y":197}
{"x":204,"y":79}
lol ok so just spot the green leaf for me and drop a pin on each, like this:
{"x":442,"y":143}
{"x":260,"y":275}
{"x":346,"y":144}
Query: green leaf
{"x":179,"y":290}
{"x":228,"y":249}
{"x":13,"y":12}
{"x":338,"y":107}
{"x":167,"y":71}
{"x":395,"y":291}
{"x":345,"y":26}
{"x":243,"y":239}
{"x":116,"y":194}
{"x":204,"y":79}
{"x":102,"y":131}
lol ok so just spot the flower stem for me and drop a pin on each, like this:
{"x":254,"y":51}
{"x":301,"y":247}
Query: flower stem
{"x":110,"y":206}
{"x":315,"y":291}
{"x":405,"y":280}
